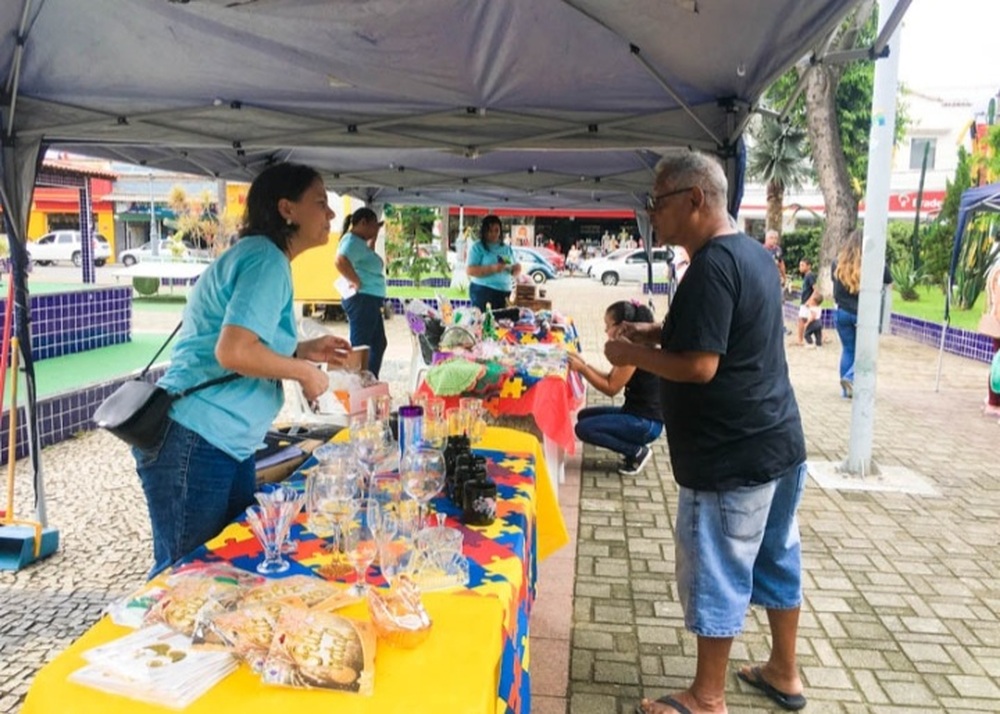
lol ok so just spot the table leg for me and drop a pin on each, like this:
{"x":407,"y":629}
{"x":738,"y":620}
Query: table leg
{"x":555,"y":459}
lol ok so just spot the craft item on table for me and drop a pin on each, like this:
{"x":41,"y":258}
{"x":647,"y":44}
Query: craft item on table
{"x":454,"y":376}
{"x":398,"y":616}
{"x":221,"y":572}
{"x":445,"y":308}
{"x":320,"y":650}
{"x":154,"y":665}
{"x":247,"y":632}
{"x":302,"y":591}
{"x":130,"y":611}
{"x":192,"y":603}
{"x":457,"y":337}
{"x":491,"y":379}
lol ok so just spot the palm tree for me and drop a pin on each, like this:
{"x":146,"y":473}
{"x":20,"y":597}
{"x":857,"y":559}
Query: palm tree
{"x":777,"y":157}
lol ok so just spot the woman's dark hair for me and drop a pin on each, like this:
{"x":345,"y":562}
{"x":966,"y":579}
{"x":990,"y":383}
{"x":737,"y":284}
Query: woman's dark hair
{"x":484,"y":227}
{"x":362,"y":214}
{"x":262,"y":217}
{"x":628,"y":311}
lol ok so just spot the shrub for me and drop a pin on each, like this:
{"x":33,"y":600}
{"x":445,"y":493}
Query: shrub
{"x":146,"y":286}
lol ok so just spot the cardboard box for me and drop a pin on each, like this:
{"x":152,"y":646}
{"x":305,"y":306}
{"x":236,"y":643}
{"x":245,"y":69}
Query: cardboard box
{"x":356,"y":401}
{"x":357,"y":360}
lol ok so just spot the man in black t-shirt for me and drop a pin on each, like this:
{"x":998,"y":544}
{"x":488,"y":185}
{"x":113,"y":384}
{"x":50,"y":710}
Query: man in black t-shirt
{"x":735,"y":436}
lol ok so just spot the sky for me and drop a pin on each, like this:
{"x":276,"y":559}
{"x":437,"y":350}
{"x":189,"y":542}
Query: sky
{"x":949,"y":48}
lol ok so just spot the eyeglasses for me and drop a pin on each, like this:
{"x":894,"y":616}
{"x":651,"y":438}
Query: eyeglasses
{"x":653,"y":201}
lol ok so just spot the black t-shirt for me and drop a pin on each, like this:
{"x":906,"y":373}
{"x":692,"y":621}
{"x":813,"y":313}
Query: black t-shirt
{"x":808,"y":286}
{"x":743,"y":427}
{"x":642,"y":396}
{"x":845,"y":299}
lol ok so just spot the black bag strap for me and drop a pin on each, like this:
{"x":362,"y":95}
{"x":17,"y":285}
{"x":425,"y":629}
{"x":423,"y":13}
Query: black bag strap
{"x":197,"y":387}
{"x":160,"y":351}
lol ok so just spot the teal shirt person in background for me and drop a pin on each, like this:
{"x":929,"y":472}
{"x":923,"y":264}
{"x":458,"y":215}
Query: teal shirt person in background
{"x":491,"y":267}
{"x":239,"y":319}
{"x":363,"y":268}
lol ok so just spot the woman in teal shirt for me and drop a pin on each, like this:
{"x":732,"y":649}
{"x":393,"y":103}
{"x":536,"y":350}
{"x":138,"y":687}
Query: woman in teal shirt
{"x":491,"y":267}
{"x":239,"y":319}
{"x":362,"y":267}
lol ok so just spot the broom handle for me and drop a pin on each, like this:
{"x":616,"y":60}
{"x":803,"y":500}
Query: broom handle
{"x":12,"y":436}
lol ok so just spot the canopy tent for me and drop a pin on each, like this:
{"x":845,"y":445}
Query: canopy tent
{"x":978,"y":199}
{"x":525,"y":102}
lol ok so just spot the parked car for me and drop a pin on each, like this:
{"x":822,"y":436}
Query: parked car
{"x":67,"y":246}
{"x":534,"y":264}
{"x":557,"y":259}
{"x":629,"y":265}
{"x":588,"y":263}
{"x":167,"y":250}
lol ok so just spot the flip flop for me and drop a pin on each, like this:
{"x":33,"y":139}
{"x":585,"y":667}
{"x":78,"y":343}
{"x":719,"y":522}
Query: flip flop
{"x":670,"y":702}
{"x":791,"y":702}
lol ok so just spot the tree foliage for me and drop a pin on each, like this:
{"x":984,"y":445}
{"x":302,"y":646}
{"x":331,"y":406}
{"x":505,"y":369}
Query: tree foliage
{"x":777,"y":157}
{"x":198,"y":221}
{"x":939,"y":237}
{"x":408,"y":246}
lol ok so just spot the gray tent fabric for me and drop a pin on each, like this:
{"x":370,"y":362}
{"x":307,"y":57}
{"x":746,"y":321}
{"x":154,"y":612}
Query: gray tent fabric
{"x":223,"y":88}
{"x":18,"y":169}
{"x":533,"y":103}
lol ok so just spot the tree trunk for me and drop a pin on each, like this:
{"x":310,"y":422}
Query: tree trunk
{"x":775,"y":205}
{"x":831,"y":168}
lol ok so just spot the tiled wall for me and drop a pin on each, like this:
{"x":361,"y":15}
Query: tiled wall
{"x":70,"y":322}
{"x":63,"y":415}
{"x":964,"y":343}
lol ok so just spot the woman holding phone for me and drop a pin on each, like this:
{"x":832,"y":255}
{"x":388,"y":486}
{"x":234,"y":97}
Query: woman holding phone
{"x":491,"y":267}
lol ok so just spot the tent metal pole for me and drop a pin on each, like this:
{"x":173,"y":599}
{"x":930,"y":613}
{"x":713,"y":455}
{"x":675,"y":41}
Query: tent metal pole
{"x":14,"y":78}
{"x":859,"y":449}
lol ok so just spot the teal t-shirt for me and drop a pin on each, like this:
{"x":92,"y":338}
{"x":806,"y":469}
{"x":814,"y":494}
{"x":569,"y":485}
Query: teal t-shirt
{"x":480,"y":254}
{"x":366,"y":262}
{"x":250,"y":286}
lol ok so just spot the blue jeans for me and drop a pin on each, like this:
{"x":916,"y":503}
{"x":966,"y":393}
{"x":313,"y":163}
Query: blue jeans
{"x":364,"y":315}
{"x":480,"y":295}
{"x":616,"y":430}
{"x":738,"y":547}
{"x":193,"y":490}
{"x":847,"y":330}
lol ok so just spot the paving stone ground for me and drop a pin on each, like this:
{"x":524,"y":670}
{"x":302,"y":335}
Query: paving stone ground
{"x":902,"y":609}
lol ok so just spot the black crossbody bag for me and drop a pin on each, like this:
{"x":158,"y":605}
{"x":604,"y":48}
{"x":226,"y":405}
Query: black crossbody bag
{"x":137,"y":411}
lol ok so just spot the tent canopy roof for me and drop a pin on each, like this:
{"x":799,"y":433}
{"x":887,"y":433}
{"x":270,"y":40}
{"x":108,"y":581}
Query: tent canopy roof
{"x":466,"y":95}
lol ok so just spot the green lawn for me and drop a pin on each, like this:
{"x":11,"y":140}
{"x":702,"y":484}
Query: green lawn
{"x":930,"y":307}
{"x":427,"y":292}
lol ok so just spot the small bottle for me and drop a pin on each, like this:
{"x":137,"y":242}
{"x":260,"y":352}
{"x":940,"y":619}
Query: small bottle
{"x":411,"y":420}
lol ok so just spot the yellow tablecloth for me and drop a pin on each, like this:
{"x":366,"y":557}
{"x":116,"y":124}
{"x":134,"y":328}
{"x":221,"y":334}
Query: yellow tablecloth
{"x":458,"y":669}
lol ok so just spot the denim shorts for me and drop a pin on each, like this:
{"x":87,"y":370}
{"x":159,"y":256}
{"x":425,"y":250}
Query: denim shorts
{"x":734,"y":548}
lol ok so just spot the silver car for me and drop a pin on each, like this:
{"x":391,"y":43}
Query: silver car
{"x":629,"y":266}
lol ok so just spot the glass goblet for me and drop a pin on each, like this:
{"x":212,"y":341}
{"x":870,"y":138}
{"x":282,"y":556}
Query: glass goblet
{"x":273,"y":493}
{"x":361,"y":549}
{"x":422,"y":473}
{"x":269,"y":524}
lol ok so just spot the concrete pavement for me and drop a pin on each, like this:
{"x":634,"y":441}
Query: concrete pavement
{"x":902,"y":610}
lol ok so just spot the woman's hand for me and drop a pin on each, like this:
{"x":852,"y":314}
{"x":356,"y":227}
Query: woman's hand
{"x":576,"y":362}
{"x":328,"y":349}
{"x":314,"y":382}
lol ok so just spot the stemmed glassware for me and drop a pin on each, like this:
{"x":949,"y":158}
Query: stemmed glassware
{"x":276,"y":493}
{"x":422,"y":473}
{"x":361,"y":547}
{"x":371,"y":440}
{"x":331,"y":495}
{"x":269,"y":524}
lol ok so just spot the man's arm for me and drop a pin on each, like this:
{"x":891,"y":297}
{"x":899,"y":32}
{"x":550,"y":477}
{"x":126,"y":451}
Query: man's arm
{"x":692,"y":367}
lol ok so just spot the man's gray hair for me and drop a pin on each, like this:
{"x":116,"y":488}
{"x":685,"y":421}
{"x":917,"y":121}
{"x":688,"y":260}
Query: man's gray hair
{"x":694,"y":168}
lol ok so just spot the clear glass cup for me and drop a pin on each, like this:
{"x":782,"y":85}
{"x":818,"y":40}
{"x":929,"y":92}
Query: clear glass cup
{"x":396,"y":557}
{"x":361,"y":549}
{"x":331,"y":497}
{"x":269,"y":524}
{"x":369,"y":439}
{"x":435,"y":408}
{"x":422,"y":474}
{"x":273,"y":493}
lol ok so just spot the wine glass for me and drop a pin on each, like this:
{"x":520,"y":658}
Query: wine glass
{"x":330,"y":493}
{"x":370,"y":442}
{"x":422,"y":473}
{"x":361,"y":547}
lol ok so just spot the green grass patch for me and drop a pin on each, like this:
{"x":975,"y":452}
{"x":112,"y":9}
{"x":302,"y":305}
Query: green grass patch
{"x":930,"y":307}
{"x":160,"y":303}
{"x":408,"y":293}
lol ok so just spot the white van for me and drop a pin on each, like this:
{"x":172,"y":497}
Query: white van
{"x":66,"y":246}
